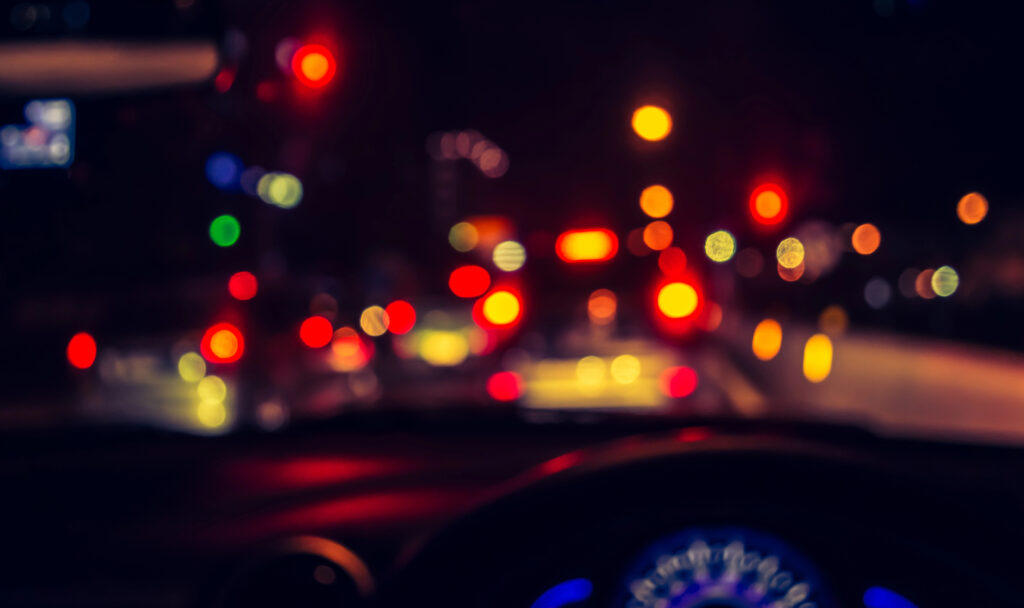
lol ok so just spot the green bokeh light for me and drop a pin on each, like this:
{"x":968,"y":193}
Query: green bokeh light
{"x":225,"y":230}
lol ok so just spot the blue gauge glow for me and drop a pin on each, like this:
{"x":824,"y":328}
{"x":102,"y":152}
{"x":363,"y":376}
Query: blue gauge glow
{"x":563,"y":594}
{"x":722,"y":566}
{"x":880,"y":597}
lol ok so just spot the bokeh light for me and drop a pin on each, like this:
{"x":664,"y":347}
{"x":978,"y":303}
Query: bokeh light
{"x":191,"y":367}
{"x":833,"y":320}
{"x":443,"y":348}
{"x":401,"y":317}
{"x":749,"y":262}
{"x":678,"y":381}
{"x":601,"y":307}
{"x":767,"y":339}
{"x":211,"y":414}
{"x":316,"y":331}
{"x":866,"y":239}
{"x":589,"y":245}
{"x":243,"y":285}
{"x":625,"y":369}
{"x":463,"y":237}
{"x":469,"y":281}
{"x":635,"y":242}
{"x":944,"y":281}
{"x":907,"y":282}
{"x":222,"y":343}
{"x":501,"y":307}
{"x":677,"y":300}
{"x":656,"y":201}
{"x":313,"y":65}
{"x":652,"y":123}
{"x":791,"y":275}
{"x":373,"y":321}
{"x":212,"y":389}
{"x":590,"y":373}
{"x":81,"y":350}
{"x":768,"y":204}
{"x":282,"y":190}
{"x":658,"y":235}
{"x":972,"y":208}
{"x":720,"y":246}
{"x":505,"y":386}
{"x":223,"y":170}
{"x":672,"y":261}
{"x":877,"y":292}
{"x":225,"y":230}
{"x":923,"y":284}
{"x":817,"y":357}
{"x":349,"y":352}
{"x":790,"y":253}
{"x":509,"y":256}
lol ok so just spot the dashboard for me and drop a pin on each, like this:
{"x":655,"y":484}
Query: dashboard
{"x":503,"y":513}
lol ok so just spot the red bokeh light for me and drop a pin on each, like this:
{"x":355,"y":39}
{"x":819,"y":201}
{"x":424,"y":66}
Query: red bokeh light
{"x":672,"y":262}
{"x":769,"y":204}
{"x":505,"y":386}
{"x":82,"y":350}
{"x":222,"y":343}
{"x":243,"y":285}
{"x":401,"y":317}
{"x":469,"y":281}
{"x":314,"y":65}
{"x":316,"y":332}
{"x":224,"y":79}
{"x":678,"y":381}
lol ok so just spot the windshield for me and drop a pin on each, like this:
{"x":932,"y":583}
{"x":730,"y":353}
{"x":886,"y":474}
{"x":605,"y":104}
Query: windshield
{"x":807,"y":210}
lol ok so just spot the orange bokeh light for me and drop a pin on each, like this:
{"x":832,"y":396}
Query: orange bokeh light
{"x":222,"y":343}
{"x":769,"y":204}
{"x":587,"y":245}
{"x":314,"y":65}
{"x":658,"y":235}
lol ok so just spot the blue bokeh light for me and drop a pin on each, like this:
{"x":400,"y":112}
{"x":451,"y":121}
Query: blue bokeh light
{"x":223,"y":170}
{"x":880,"y":597}
{"x":563,"y":594}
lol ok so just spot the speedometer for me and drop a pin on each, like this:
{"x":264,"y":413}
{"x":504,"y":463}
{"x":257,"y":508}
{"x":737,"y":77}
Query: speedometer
{"x":722,"y":567}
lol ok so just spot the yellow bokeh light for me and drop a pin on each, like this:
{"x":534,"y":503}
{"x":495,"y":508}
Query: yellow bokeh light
{"x":212,"y":389}
{"x":590,"y":372}
{"x":280,"y":189}
{"x":677,"y":300}
{"x":768,"y":204}
{"x":972,"y":208}
{"x":790,"y":253}
{"x":817,"y":357}
{"x":767,"y":339}
{"x":443,"y":348}
{"x":463,"y":237}
{"x":625,"y":369}
{"x":191,"y":367}
{"x":224,"y":344}
{"x":601,"y":307}
{"x":656,"y":201}
{"x":833,"y":320}
{"x":944,"y":281}
{"x":374,"y":321}
{"x":865,"y":239}
{"x":211,"y":414}
{"x":501,"y":307}
{"x":720,"y":246}
{"x":509,"y":256}
{"x":658,"y":235}
{"x":652,"y":123}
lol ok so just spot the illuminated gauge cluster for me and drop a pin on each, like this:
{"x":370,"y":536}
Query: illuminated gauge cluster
{"x":723,"y":568}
